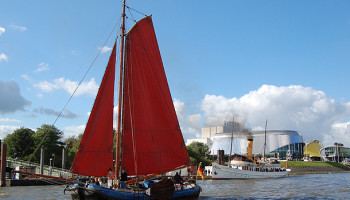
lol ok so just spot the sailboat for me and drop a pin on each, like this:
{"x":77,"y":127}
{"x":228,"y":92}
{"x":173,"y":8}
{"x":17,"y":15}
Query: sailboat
{"x":149,"y":139}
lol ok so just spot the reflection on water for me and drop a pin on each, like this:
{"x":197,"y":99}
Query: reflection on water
{"x":313,"y":186}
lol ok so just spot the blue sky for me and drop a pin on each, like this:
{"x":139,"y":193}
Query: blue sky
{"x":284,"y":61}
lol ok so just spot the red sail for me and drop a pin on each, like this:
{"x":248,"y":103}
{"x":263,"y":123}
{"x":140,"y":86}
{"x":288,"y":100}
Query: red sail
{"x":95,"y":153}
{"x":152,"y":141}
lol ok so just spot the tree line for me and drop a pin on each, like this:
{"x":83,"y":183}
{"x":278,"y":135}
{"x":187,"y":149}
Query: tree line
{"x":25,"y":144}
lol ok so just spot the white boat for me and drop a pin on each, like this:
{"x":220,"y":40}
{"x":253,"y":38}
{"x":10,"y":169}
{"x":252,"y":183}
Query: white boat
{"x":247,"y":167}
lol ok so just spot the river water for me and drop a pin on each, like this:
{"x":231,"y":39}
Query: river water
{"x":300,"y":187}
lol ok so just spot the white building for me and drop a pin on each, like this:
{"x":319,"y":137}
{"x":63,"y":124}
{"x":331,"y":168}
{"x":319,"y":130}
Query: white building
{"x":233,"y":136}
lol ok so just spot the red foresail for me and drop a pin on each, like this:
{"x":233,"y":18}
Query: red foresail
{"x":95,"y":153}
{"x":152,"y":141}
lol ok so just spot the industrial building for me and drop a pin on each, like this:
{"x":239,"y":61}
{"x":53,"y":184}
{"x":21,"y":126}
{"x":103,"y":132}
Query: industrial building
{"x":232,"y":138}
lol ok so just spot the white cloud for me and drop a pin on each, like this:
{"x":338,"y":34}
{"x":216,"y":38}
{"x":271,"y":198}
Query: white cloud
{"x":18,"y":28}
{"x":74,"y":52}
{"x":190,"y":125}
{"x":3,"y":57}
{"x":105,"y":49}
{"x":9,"y":120}
{"x":89,"y":88}
{"x":179,"y":108}
{"x":340,"y":133}
{"x":42,"y":67}
{"x":73,"y":130}
{"x":303,"y":109}
{"x":26,"y":77}
{"x":2,"y":30}
{"x":5,"y":130}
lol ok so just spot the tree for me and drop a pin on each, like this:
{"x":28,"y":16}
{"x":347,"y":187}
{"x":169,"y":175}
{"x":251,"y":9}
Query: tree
{"x":20,"y":144}
{"x":198,"y":152}
{"x":72,"y":148}
{"x":50,"y":138}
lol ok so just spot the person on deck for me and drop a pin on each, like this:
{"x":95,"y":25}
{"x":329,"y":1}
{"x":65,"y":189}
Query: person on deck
{"x":97,"y":181}
{"x":177,"y":178}
{"x":110,"y":177}
{"x":123,"y":178}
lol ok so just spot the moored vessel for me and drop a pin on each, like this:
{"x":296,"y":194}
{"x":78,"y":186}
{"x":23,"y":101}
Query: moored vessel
{"x":249,"y":167}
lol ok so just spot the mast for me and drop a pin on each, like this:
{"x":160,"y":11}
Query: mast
{"x":118,"y":142}
{"x":265,"y":140}
{"x":229,"y":159}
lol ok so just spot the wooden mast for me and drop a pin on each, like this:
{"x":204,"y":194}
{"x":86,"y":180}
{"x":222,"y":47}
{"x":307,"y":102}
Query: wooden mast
{"x":118,"y":142}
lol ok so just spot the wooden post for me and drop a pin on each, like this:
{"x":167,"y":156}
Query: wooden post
{"x":64,"y":158}
{"x":42,"y":160}
{"x":3,"y":165}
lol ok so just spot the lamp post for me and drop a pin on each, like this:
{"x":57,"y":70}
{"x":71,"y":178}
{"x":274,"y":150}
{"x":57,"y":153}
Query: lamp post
{"x":53,"y":163}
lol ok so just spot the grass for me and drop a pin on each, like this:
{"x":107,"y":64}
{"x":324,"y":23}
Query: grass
{"x":310,"y":164}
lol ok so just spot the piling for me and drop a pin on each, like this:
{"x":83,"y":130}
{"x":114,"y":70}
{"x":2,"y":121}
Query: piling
{"x":42,"y":160}
{"x":3,"y":165}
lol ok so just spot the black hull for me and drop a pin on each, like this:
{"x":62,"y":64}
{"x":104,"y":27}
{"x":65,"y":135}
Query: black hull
{"x":82,"y":193}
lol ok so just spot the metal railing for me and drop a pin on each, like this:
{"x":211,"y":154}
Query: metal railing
{"x":35,"y":168}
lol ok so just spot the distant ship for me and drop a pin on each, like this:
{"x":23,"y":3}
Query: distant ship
{"x":247,"y":167}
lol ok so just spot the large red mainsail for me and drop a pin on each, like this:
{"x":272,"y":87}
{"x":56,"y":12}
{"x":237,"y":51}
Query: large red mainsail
{"x":152,"y":141}
{"x":95,"y":153}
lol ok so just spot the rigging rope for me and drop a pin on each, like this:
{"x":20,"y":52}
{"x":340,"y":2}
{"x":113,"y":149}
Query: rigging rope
{"x":136,"y":11}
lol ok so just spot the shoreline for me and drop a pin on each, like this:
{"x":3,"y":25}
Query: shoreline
{"x":318,"y":170}
{"x":314,"y":167}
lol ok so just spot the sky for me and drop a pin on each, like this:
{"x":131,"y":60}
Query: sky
{"x":286,"y":62}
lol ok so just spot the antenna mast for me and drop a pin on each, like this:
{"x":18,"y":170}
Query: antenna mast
{"x":233,"y":122}
{"x":265,"y":140}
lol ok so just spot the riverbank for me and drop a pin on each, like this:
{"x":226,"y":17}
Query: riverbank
{"x":302,"y":167}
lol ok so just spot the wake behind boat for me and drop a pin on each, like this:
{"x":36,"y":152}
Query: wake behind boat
{"x":149,"y":139}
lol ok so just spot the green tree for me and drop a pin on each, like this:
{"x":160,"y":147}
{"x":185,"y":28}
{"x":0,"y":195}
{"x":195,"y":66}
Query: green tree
{"x":198,"y":152}
{"x":72,"y":148}
{"x":50,"y":138}
{"x":20,"y":143}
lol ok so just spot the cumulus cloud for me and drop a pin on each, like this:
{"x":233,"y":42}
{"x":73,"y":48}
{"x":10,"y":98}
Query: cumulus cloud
{"x":3,"y":57}
{"x":294,"y":107}
{"x":42,"y":67}
{"x":9,"y":120}
{"x":73,"y":130}
{"x":48,"y":111}
{"x":11,"y":99}
{"x":89,"y":88}
{"x":18,"y":28}
{"x":5,"y":130}
{"x":26,"y":77}
{"x":190,"y":124}
{"x":105,"y":49}
{"x":2,"y":30}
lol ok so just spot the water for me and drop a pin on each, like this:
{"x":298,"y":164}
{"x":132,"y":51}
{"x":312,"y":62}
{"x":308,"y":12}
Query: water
{"x":312,"y":186}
